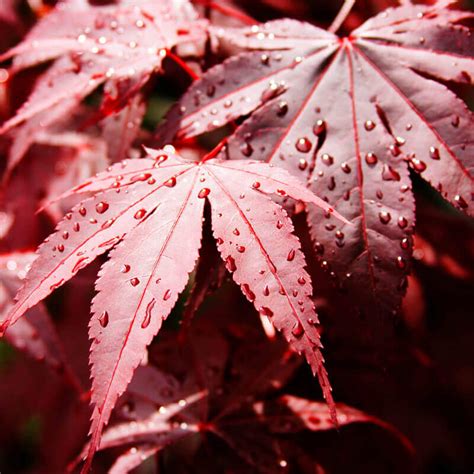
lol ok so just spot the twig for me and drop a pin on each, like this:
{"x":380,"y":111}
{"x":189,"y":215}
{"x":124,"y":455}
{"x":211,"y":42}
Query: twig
{"x":342,"y":15}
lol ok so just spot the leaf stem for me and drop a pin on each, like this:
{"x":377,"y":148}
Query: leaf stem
{"x":342,"y":15}
{"x":182,"y":65}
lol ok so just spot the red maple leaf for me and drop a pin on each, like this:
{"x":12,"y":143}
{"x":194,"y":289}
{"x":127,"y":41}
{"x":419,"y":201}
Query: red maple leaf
{"x":119,"y":46}
{"x":351,"y":116}
{"x":151,"y":211}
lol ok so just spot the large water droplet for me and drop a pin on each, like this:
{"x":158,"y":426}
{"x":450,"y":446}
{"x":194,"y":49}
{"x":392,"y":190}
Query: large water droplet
{"x":402,"y":222}
{"x":125,"y":268}
{"x":171,"y":182}
{"x":418,"y":165}
{"x":319,"y":127}
{"x":230,"y":264}
{"x":298,"y":330}
{"x":139,"y":214}
{"x":389,"y":174}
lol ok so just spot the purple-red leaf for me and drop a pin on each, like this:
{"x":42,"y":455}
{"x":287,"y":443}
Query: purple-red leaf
{"x":351,"y":115}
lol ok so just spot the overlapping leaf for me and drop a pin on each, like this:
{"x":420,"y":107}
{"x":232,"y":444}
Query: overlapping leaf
{"x":151,"y":211}
{"x":119,"y":46}
{"x":351,"y":115}
{"x":236,"y":386}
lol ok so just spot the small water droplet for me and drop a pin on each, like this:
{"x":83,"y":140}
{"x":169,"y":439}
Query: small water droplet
{"x":147,"y":319}
{"x":248,"y":292}
{"x":203,"y":193}
{"x":240,"y":248}
{"x":404,"y":243}
{"x":331,"y":183}
{"x":171,"y":182}
{"x":291,"y":255}
{"x":460,"y":201}
{"x":279,"y":224}
{"x":76,"y":227}
{"x":371,"y":159}
{"x":319,"y":127}
{"x":125,"y":268}
{"x":303,"y":145}
{"x":389,"y":174}
{"x":345,"y":167}
{"x":101,"y":207}
{"x":139,"y":214}
{"x":167,"y":295}
{"x":82,"y":211}
{"x":104,"y":319}
{"x":401,"y":263}
{"x":265,"y":311}
{"x":455,"y":121}
{"x":418,"y":165}
{"x":434,"y":153}
{"x":384,"y":217}
{"x":298,"y":330}
{"x":301,"y":280}
{"x":65,"y":235}
{"x":60,"y":248}
{"x":282,"y":109}
{"x":328,"y":160}
{"x":402,"y":222}
{"x":369,"y":125}
{"x":246,"y":149}
{"x":266,"y":291}
{"x":302,"y":164}
{"x":230,"y":264}
{"x":134,"y":281}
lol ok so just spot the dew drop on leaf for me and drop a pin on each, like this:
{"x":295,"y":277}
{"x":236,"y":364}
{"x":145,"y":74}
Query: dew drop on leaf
{"x":371,"y":159}
{"x":171,"y":182}
{"x":134,"y":281}
{"x":303,"y":145}
{"x":265,"y":311}
{"x":167,"y":295}
{"x":384,"y":217}
{"x":203,"y":193}
{"x":101,"y":207}
{"x":104,"y":319}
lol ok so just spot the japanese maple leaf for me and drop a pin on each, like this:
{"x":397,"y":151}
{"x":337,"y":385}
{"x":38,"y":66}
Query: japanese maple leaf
{"x":151,"y":211}
{"x":119,"y":46}
{"x":351,"y":116}
{"x":230,"y":393}
{"x":35,"y":334}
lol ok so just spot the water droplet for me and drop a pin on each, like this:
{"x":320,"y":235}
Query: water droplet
{"x":140,"y":177}
{"x":303,"y":145}
{"x":319,"y":248}
{"x":330,"y":227}
{"x":345,"y":167}
{"x":282,"y":109}
{"x":82,"y":211}
{"x":220,"y":241}
{"x":279,"y":224}
{"x":291,"y":255}
{"x":339,"y":235}
{"x":379,"y":193}
{"x":81,"y":263}
{"x":400,"y":141}
{"x":125,"y":268}
{"x":134,"y":281}
{"x":401,"y":263}
{"x":281,"y":192}
{"x":60,"y":248}
{"x":248,"y":292}
{"x":210,"y":90}
{"x":266,"y":291}
{"x":65,"y":235}
{"x":371,"y":159}
{"x":402,"y":222}
{"x":56,"y":285}
{"x":147,"y":319}
{"x":171,"y":182}
{"x":434,"y":153}
{"x":389,"y":174}
{"x":240,"y":248}
{"x":283,"y":463}
{"x":384,"y":217}
{"x":264,"y":311}
{"x":236,"y":231}
{"x":298,"y":330}
{"x":104,"y":319}
{"x":395,"y":149}
{"x":460,"y":201}
{"x":319,"y":127}
{"x":418,"y":165}
{"x":369,"y":125}
{"x":230,"y":264}
{"x":203,"y":193}
{"x":101,"y":207}
{"x":301,"y":280}
{"x":256,"y":185}
{"x":455,"y":121}
{"x":265,"y":59}
{"x":302,"y":164}
{"x":405,"y":243}
{"x":408,"y":127}
{"x":76,"y":227}
{"x":328,"y":160}
{"x":139,"y":214}
{"x":246,"y":149}
{"x":331,"y":183}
